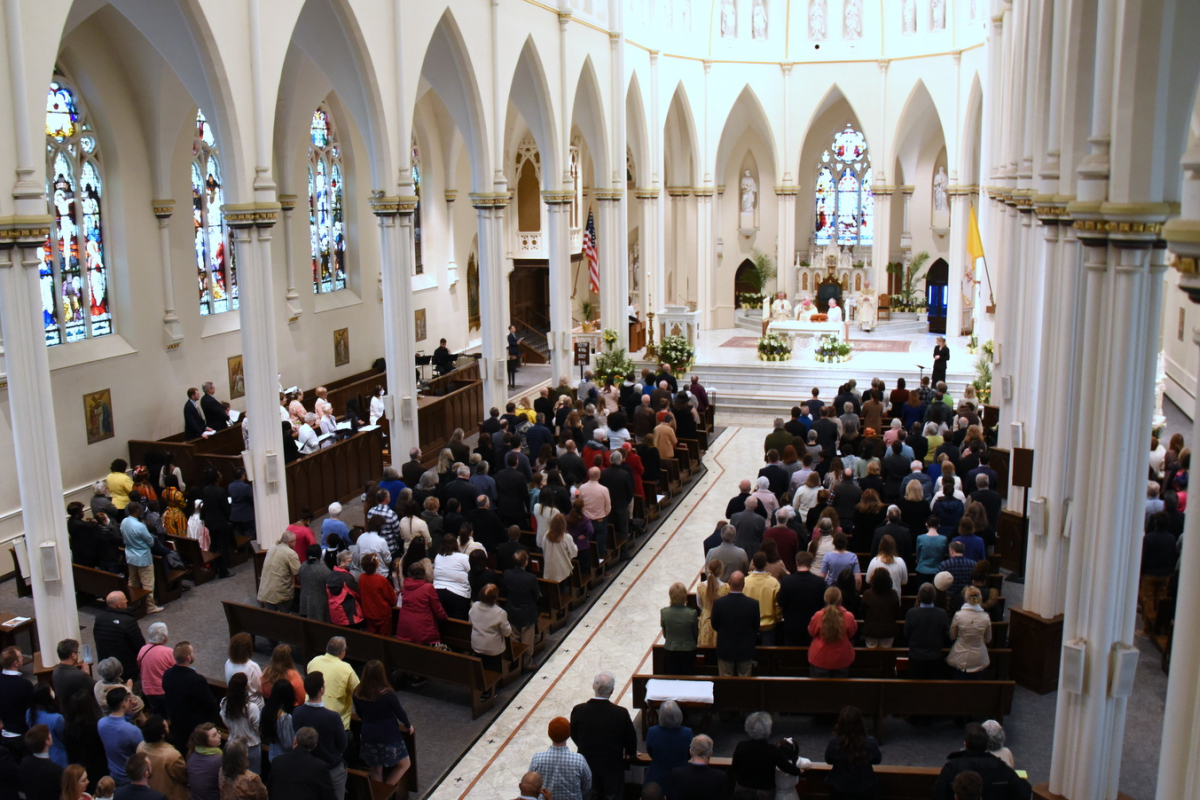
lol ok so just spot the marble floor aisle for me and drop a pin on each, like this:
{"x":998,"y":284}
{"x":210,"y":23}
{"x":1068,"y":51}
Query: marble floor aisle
{"x":616,"y":635}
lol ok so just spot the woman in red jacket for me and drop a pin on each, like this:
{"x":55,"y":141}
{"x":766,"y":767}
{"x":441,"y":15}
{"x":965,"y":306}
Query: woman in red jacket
{"x":831,"y":629}
{"x":377,"y":596}
{"x":420,"y":610}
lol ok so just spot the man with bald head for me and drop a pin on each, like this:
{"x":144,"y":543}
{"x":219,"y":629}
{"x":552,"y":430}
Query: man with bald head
{"x":735,"y":618}
{"x":118,"y":635}
{"x":530,"y":788}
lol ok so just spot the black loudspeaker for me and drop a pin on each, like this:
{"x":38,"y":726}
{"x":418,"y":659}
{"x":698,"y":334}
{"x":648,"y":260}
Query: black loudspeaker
{"x":1022,"y":467}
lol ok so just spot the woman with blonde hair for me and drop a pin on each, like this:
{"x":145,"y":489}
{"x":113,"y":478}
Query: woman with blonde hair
{"x":971,"y":630}
{"x":681,"y":630}
{"x":75,"y":783}
{"x":805,"y":497}
{"x":712,"y":590}
{"x":831,"y":628}
{"x":558,"y":550}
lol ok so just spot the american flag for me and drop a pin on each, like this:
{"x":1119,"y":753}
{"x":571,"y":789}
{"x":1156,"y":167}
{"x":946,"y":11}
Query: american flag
{"x":589,"y":252}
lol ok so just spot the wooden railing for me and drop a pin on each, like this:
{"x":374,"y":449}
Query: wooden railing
{"x":437,"y":417}
{"x":361,"y":385}
{"x":440,"y":385}
{"x":227,"y":442}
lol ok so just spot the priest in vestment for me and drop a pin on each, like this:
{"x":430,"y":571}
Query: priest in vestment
{"x":781,"y":309}
{"x":835,"y":311}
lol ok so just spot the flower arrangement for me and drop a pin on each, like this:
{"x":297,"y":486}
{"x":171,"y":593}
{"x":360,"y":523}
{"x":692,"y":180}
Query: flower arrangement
{"x":989,"y":349}
{"x":676,"y":351}
{"x":610,"y":337}
{"x":972,"y":344}
{"x":983,"y":376}
{"x":774,"y":347}
{"x":832,"y":350}
{"x":751,"y":299}
{"x":615,"y":364}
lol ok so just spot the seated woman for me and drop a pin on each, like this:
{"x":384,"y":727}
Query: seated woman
{"x":756,"y":759}
{"x":489,"y":628}
{"x":971,"y":630}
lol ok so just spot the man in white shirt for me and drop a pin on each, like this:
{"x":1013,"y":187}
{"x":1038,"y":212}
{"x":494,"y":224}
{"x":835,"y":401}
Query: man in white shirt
{"x":835,"y":313}
{"x":369,"y":541}
{"x":307,"y":441}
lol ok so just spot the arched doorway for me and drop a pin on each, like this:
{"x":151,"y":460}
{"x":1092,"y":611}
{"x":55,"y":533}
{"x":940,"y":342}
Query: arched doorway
{"x":743,"y":282}
{"x":936,"y":294}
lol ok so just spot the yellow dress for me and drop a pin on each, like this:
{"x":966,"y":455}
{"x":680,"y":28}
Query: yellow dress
{"x":707,"y":637}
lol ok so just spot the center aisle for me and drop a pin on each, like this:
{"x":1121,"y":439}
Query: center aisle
{"x":617,"y":633}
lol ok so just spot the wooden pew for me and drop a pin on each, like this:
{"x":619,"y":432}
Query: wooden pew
{"x":99,"y":584}
{"x":876,"y":698}
{"x":168,"y":583}
{"x":225,"y":442}
{"x":361,"y":385}
{"x":894,"y":783}
{"x":198,"y":561}
{"x":311,"y":637}
{"x":786,"y":662}
{"x":457,"y":634}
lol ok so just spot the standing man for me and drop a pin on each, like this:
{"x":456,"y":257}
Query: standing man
{"x":189,"y":700}
{"x":138,"y":541}
{"x":194,"y":425}
{"x":154,"y":659}
{"x":119,"y":736}
{"x":277,"y":586}
{"x":735,"y":618}
{"x":597,"y":505}
{"x":241,"y":505}
{"x":299,"y":774}
{"x":41,"y":778}
{"x":619,"y":483}
{"x":605,"y":736}
{"x":564,"y":773}
{"x":71,"y":676}
{"x":941,"y":355}
{"x":801,"y":595}
{"x":514,"y":356}
{"x":331,"y":732}
{"x":522,"y":592}
{"x":696,"y":779}
{"x":762,"y":587}
{"x":412,"y":470}
{"x":340,"y":678}
{"x":118,"y":635}
{"x":138,"y":769}
{"x":215,"y":416}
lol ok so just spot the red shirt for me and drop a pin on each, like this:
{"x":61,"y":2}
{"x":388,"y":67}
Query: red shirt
{"x":376,"y":596}
{"x":831,"y":655}
{"x":787,"y":543}
{"x":154,"y":660}
{"x":635,"y":466}
{"x":419,"y":613}
{"x":304,"y":537}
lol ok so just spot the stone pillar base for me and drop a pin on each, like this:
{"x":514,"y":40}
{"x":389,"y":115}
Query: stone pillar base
{"x":1036,"y":644}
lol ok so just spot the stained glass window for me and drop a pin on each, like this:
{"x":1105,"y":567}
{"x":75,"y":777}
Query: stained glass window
{"x":418,"y":264}
{"x":326,"y":216}
{"x":844,"y":205}
{"x":215,"y":274}
{"x":74,"y":270}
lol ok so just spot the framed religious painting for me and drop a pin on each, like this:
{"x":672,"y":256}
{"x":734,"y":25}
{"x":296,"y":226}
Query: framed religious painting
{"x":97,"y":416}
{"x":419,"y":325}
{"x":237,"y":378}
{"x":341,"y":347}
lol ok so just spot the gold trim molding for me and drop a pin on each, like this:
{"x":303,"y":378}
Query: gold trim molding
{"x":248,"y":215}
{"x":163,"y":209}
{"x":646,"y":194}
{"x":558,"y":198}
{"x":610,"y":195}
{"x":287,"y":202}
{"x":485,"y":200}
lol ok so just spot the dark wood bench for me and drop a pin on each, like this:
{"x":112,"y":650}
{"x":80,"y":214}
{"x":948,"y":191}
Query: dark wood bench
{"x":786,"y":662}
{"x":311,"y":637}
{"x":199,"y":562}
{"x":168,"y":583}
{"x":876,"y":697}
{"x":457,"y":634}
{"x":99,"y":584}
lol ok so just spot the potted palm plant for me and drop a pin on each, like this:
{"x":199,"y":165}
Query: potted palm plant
{"x":587,"y":312}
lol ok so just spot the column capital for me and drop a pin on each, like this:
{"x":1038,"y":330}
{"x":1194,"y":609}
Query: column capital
{"x":1183,"y":241}
{"x":611,"y":195}
{"x":451,"y":195}
{"x":1051,"y":209}
{"x":679,"y":191}
{"x":702,"y":191}
{"x":558,"y":198}
{"x":646,"y":194}
{"x":490,"y":200}
{"x":163,"y":209}
{"x":787,"y":190}
{"x":388,"y":206}
{"x":883,"y":190}
{"x":251,"y":215}
{"x":884,"y":63}
{"x":786,"y":66}
{"x":1022,"y":200}
{"x":287,"y":202}
{"x":26,"y":231}
{"x":564,"y":17}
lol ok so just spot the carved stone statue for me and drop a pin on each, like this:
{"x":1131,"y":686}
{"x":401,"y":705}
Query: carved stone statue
{"x":941,"y":184}
{"x":937,"y":15}
{"x":908,"y":16}
{"x":749,"y":193}
{"x":728,"y":19}
{"x":852,"y":23}
{"x":758,"y":19}
{"x":816,"y":20}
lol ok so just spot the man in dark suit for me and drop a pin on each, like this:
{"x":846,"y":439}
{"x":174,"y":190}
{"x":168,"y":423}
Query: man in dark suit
{"x":488,"y":530}
{"x":193,"y":419}
{"x":492,"y":423}
{"x":330,"y":730}
{"x":412,"y":470}
{"x":539,"y":434}
{"x":443,"y":361}
{"x":796,"y":426}
{"x":619,"y":482}
{"x":643,"y":418}
{"x":41,"y":778}
{"x":846,"y":495}
{"x":570,"y":464}
{"x":750,"y":527}
{"x":895,"y":469}
{"x":544,"y":404}
{"x":300,"y":775}
{"x":738,"y":503}
{"x":735,"y":618}
{"x":899,"y":533}
{"x":996,"y":778}
{"x":696,"y":780}
{"x":846,"y":396}
{"x":801,"y":595}
{"x":214,"y":412}
{"x":137,"y":769}
{"x":989,"y":498}
{"x":522,"y":593}
{"x":927,"y":629}
{"x":462,"y":490}
{"x":118,"y":635}
{"x":826,"y":430}
{"x":513,"y":490}
{"x":605,"y":736}
{"x":189,"y":700}
{"x":776,"y":474}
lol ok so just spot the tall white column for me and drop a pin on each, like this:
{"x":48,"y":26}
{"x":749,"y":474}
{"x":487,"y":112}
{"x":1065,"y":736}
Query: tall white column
{"x":785,"y":201}
{"x":451,"y":263}
{"x":1122,"y":271}
{"x":614,"y":276}
{"x":172,"y":329}
{"x":35,"y":442}
{"x":676,"y":257}
{"x":251,"y":229}
{"x":650,"y":240}
{"x":395,"y":215}
{"x":1178,"y":765}
{"x":881,"y":247}
{"x":493,"y":296}
{"x":558,"y":207}
{"x":706,"y":251}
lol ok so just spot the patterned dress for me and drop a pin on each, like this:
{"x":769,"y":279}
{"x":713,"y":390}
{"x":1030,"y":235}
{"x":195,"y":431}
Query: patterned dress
{"x":173,"y":519}
{"x":707,"y":637}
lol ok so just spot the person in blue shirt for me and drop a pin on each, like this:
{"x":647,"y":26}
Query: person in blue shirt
{"x":391,"y":481}
{"x":973,"y":546}
{"x":120,"y":736}
{"x":43,"y":710}
{"x":138,"y":553}
{"x":334,"y":527}
{"x":840,"y":559}
{"x":948,"y":509}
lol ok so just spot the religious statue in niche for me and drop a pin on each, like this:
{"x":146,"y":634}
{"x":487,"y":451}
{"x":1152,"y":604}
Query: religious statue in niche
{"x":852,"y":22}
{"x":816,"y":20}
{"x":749,"y":193}
{"x":937,"y":15}
{"x":635,"y":263}
{"x":941,"y":185}
{"x":728,"y":19}
{"x":758,"y":19}
{"x":908,"y":16}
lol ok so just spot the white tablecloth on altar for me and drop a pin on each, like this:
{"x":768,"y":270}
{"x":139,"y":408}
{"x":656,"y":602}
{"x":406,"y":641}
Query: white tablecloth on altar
{"x":792,"y":328}
{"x":679,"y":691}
